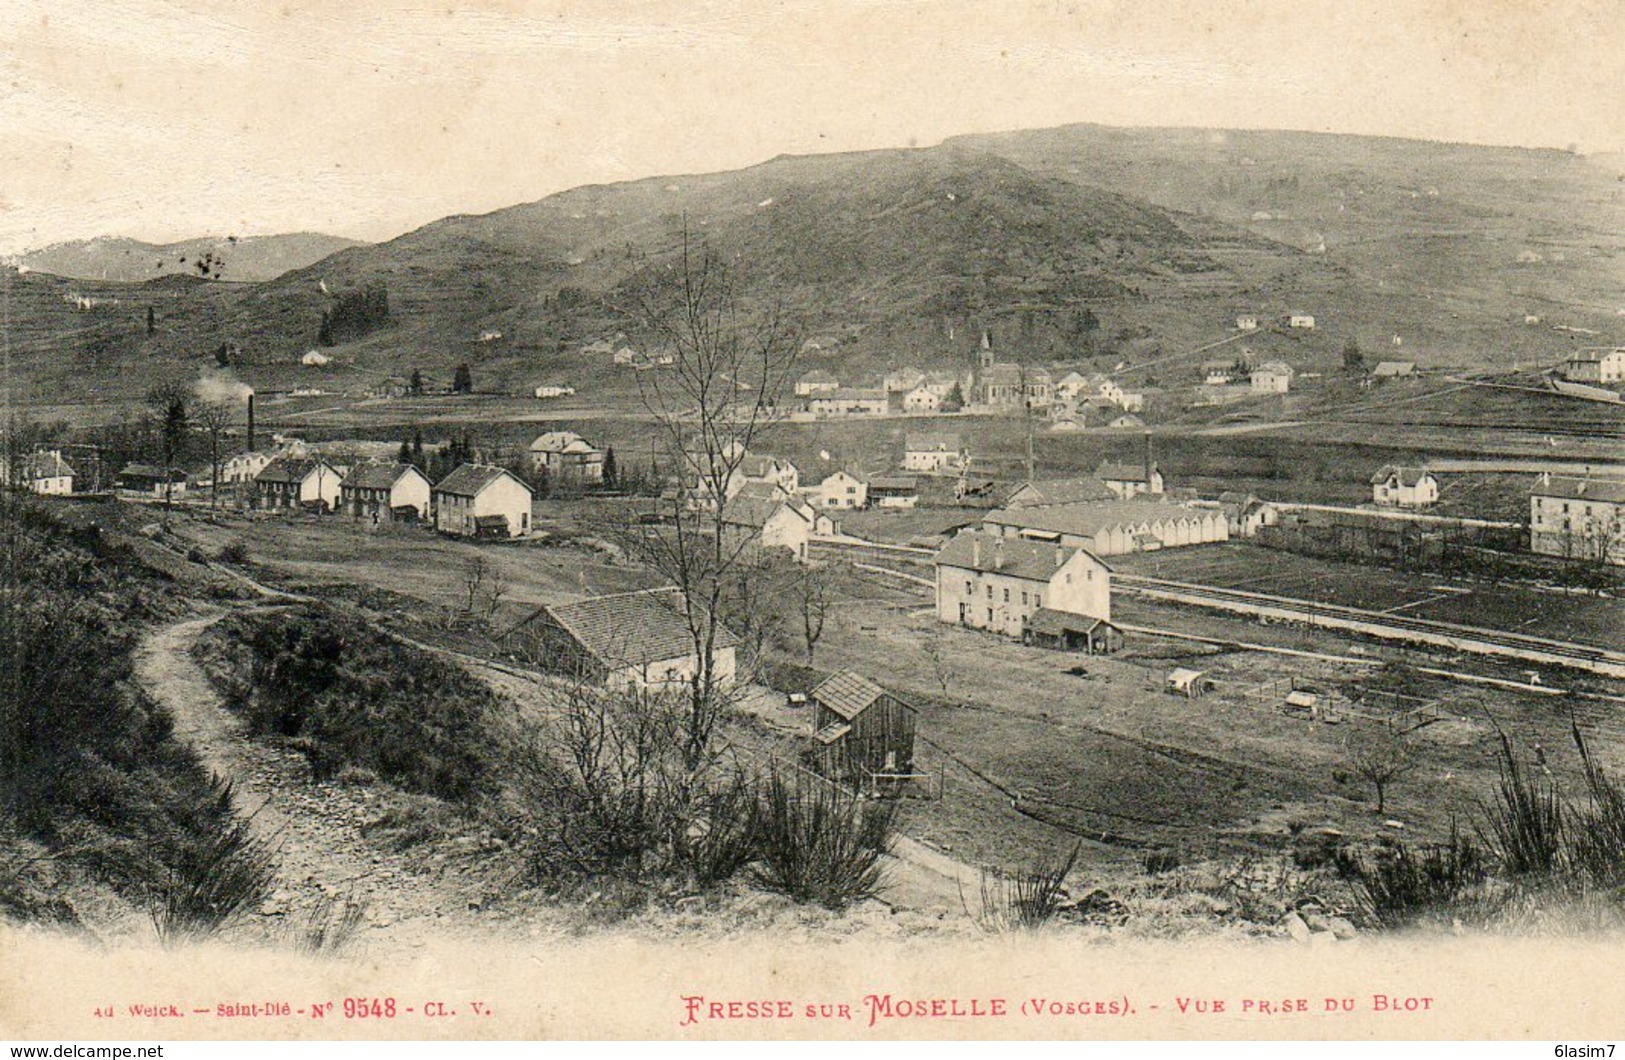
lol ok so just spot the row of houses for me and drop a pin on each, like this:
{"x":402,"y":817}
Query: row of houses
{"x":474,"y":500}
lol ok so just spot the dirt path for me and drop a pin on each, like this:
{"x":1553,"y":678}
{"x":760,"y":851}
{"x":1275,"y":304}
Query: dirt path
{"x":316,"y":828}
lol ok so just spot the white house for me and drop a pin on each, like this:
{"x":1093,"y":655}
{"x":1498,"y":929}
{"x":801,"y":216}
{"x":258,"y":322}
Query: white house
{"x":1272,"y":377}
{"x":1301,"y":320}
{"x":848,"y":402}
{"x":1247,"y":322}
{"x":773,"y":471}
{"x":1404,"y":487}
{"x":1070,"y":387}
{"x":383,"y":493}
{"x":902,"y":380}
{"x":817,"y":381}
{"x":567,"y":457}
{"x":243,"y":467}
{"x":479,"y":500}
{"x":315,"y":359}
{"x":43,"y":472}
{"x":921,"y":400}
{"x":934,"y":452}
{"x":298,"y":482}
{"x":1596,"y":366}
{"x":842,"y":490}
{"x":636,"y":640}
{"x":555,"y":390}
{"x":1578,"y":518}
{"x":1130,"y":480}
{"x":777,"y":522}
{"x":989,"y":582}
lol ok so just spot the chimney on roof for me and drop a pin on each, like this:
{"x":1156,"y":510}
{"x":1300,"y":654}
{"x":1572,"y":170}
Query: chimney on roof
{"x":1060,"y":555}
{"x":976,"y":551}
{"x":998,"y":553}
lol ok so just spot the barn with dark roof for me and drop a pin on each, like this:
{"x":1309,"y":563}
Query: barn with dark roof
{"x":639,"y":639}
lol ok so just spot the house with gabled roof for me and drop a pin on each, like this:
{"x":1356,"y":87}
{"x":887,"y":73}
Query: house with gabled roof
{"x":1393,"y":369}
{"x":1129,"y":480}
{"x":778,"y":521}
{"x":843,"y":490}
{"x":817,"y":381}
{"x":935,"y":451}
{"x":567,"y":457}
{"x":385,"y":493}
{"x":639,"y":640}
{"x":481,"y":500}
{"x":289,"y":482}
{"x":862,"y":734}
{"x":1043,"y":492}
{"x":987,"y":581}
{"x":1404,"y":487}
{"x":43,"y":472}
{"x":147,"y":480}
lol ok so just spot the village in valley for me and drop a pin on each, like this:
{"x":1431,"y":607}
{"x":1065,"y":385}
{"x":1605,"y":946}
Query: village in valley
{"x":1195,"y":612}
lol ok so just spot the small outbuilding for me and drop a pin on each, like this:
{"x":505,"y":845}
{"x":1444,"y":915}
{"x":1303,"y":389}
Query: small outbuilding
{"x":1189,"y":683}
{"x":862,"y":734}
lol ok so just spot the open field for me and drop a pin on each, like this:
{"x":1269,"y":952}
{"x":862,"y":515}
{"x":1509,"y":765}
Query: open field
{"x":1558,"y":614}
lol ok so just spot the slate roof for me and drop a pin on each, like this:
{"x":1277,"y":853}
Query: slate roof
{"x":1049,"y":621}
{"x":933,"y":443}
{"x":45,"y":465}
{"x":894,"y":484}
{"x":1059,"y":491}
{"x":1087,"y":520}
{"x":1608,"y":490}
{"x":291,"y":469}
{"x":630,"y":629}
{"x":1121,"y":471}
{"x":469,"y":479}
{"x":1408,"y":476}
{"x":1029,"y":560}
{"x":561,"y":442}
{"x":756,"y":511}
{"x":754,"y":465}
{"x":376,"y":476}
{"x":848,"y":694}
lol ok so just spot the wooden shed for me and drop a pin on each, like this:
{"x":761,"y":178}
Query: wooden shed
{"x":1062,"y":631}
{"x":862,"y":734}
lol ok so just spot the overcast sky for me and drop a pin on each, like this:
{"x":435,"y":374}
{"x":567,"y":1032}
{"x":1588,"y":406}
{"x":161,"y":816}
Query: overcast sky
{"x":164,"y":119}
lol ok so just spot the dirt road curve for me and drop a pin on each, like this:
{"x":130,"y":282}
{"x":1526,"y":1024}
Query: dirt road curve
{"x":315,"y":827}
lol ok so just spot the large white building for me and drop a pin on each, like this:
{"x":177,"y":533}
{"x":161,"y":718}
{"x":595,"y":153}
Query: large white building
{"x":1404,"y":487}
{"x":985,"y":581}
{"x":1578,"y":518}
{"x":1601,"y":366}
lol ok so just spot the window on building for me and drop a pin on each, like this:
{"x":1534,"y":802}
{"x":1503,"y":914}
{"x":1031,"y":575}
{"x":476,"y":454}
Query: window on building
{"x":1007,"y":596}
{"x":990,"y":594}
{"x":970,"y":589}
{"x":1023,"y":599}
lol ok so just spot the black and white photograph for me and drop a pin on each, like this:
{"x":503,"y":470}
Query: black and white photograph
{"x":825,"y":519}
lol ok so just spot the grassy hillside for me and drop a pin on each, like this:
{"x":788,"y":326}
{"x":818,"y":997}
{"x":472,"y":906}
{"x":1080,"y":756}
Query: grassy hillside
{"x":246,"y":260}
{"x":891,"y":257}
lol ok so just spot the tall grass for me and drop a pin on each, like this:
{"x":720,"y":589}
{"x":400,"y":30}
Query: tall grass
{"x":819,"y":844}
{"x":1596,"y":846}
{"x":213,"y":880}
{"x":1523,"y":823}
{"x":1396,"y":886}
{"x":1026,"y":900}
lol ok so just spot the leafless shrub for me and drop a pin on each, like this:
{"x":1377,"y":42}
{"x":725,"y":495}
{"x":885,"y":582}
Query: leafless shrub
{"x":820,"y":844}
{"x":1025,"y":900}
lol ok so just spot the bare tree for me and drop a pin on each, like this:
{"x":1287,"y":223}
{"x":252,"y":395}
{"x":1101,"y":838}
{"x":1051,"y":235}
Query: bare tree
{"x":475,"y":571}
{"x":942,"y":663}
{"x":813,"y":599}
{"x":496,"y":588}
{"x":215,"y":417}
{"x":1381,"y":757}
{"x":729,"y":367}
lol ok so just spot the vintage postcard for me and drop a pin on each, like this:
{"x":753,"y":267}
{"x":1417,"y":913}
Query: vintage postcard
{"x":850,"y":519}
